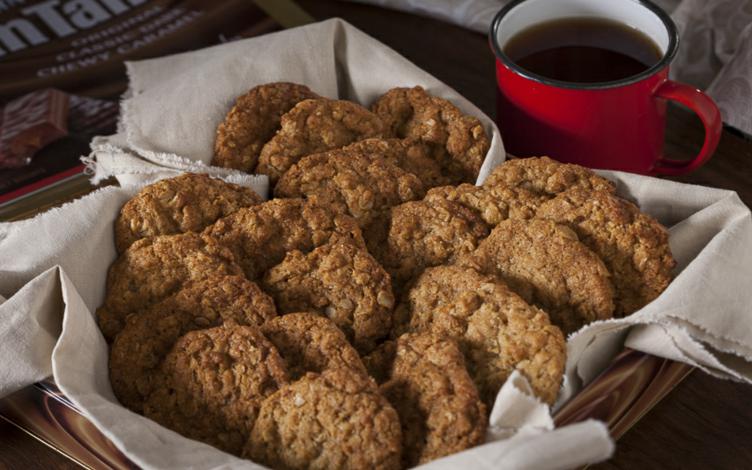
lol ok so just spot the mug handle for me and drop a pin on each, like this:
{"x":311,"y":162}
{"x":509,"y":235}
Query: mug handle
{"x":708,"y":113}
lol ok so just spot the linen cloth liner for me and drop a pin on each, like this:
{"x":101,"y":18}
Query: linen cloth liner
{"x":715,"y":43}
{"x":53,"y":267}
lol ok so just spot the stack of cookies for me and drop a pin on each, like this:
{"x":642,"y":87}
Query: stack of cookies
{"x":367,"y":315}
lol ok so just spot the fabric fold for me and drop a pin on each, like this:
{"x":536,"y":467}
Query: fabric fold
{"x":30,"y":322}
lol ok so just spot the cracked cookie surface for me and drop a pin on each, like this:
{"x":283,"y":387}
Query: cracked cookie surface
{"x":439,"y":407}
{"x":213,"y":384}
{"x":154,"y":268}
{"x":633,"y":245}
{"x":336,"y":419}
{"x":314,"y":126}
{"x":460,"y":141}
{"x":311,"y":343}
{"x":547,"y":265}
{"x":341,"y":281}
{"x":186,"y":203}
{"x":148,"y":335}
{"x":260,"y":236}
{"x":412,"y":155}
{"x":252,"y":122}
{"x":427,"y":233}
{"x":496,"y":329}
{"x":546,"y":177}
{"x":492,"y":204}
{"x":358,"y":184}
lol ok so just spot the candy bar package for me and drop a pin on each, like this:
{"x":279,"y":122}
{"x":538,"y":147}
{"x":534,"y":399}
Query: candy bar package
{"x":62,"y":70}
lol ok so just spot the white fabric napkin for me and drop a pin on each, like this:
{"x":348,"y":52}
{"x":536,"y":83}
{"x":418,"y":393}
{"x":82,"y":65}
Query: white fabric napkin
{"x":54,"y":266}
{"x":196,"y":89}
{"x":715,"y":47}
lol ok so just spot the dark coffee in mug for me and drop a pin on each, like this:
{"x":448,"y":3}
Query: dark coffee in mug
{"x":608,"y":107}
{"x":583,"y":50}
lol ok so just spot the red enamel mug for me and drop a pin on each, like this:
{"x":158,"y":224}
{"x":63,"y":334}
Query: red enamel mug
{"x":616,"y":125}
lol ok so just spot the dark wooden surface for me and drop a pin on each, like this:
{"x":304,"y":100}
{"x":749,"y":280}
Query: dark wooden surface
{"x":19,"y":450}
{"x":705,"y":422}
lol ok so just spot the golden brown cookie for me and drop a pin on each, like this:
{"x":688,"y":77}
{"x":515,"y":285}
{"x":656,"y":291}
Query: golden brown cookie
{"x":186,"y":203}
{"x":358,"y":184}
{"x":341,"y":281}
{"x":154,"y":268}
{"x":252,"y":122}
{"x":549,"y":267}
{"x":460,"y":141}
{"x":497,"y":331}
{"x":411,"y":155}
{"x":148,"y":335}
{"x":260,"y":236}
{"x":427,"y":233}
{"x":546,"y":177}
{"x":311,"y":343}
{"x":436,"y":400}
{"x":213,"y":384}
{"x":314,"y":126}
{"x":336,"y":419}
{"x":492,"y":204}
{"x":633,"y":245}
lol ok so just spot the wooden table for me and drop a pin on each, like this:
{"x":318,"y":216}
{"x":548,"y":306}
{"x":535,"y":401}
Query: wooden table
{"x":704,"y":422}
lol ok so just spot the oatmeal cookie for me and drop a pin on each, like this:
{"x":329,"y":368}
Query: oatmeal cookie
{"x":213,"y":384}
{"x":496,"y":329}
{"x":361,"y":185}
{"x":633,"y":245}
{"x":154,"y":268}
{"x":260,"y":236}
{"x":427,"y":233}
{"x":546,"y":177}
{"x":336,"y":419}
{"x":436,"y":400}
{"x":460,"y":141}
{"x":252,"y":122}
{"x":187,"y":203}
{"x":148,"y":335}
{"x":492,"y":204}
{"x":341,"y":281}
{"x":311,"y":343}
{"x":314,"y":126}
{"x":411,"y":155}
{"x":548,"y":266}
